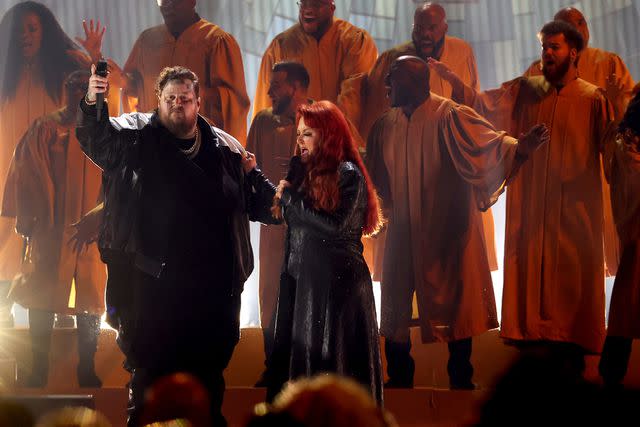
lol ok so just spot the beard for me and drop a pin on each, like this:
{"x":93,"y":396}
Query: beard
{"x":435,"y":49}
{"x":179,"y":125}
{"x":318,"y":26}
{"x":559,"y":72}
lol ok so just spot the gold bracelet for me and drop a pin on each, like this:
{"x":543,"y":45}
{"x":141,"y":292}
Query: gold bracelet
{"x":86,"y":100}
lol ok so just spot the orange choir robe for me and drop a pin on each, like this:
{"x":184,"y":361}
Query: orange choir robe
{"x":622,"y":167}
{"x":272,"y":138}
{"x":554,"y":261}
{"x":337,"y":64}
{"x":458,"y":56}
{"x":435,"y":171}
{"x":55,"y":185}
{"x":16,"y":115}
{"x":595,"y":66}
{"x":208,"y":51}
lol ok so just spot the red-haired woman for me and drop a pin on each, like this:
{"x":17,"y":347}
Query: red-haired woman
{"x":325,"y":318}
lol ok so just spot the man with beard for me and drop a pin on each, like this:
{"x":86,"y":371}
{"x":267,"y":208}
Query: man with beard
{"x":608,"y":71}
{"x":190,"y":41}
{"x":554,"y":267}
{"x":429,"y":39}
{"x":436,"y":165}
{"x":597,"y":66}
{"x":175,"y":210}
{"x":336,"y":54}
{"x":272,"y":138}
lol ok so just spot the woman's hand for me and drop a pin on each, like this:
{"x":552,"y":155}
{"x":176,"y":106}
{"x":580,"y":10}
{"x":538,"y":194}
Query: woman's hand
{"x":92,"y":42}
{"x":281,"y":186}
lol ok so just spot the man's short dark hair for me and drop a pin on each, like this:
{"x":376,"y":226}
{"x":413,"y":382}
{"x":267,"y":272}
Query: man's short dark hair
{"x":296,"y":72}
{"x":176,"y":73}
{"x":571,"y":34}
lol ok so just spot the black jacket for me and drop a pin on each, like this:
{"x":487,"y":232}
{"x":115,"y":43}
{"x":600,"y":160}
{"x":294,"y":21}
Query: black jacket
{"x":126,"y":149}
{"x":325,"y":317}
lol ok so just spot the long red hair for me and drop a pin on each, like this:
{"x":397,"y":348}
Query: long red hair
{"x":336,"y":145}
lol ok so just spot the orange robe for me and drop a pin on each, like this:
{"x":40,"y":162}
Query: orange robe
{"x":435,"y":171}
{"x":337,"y":64}
{"x":55,"y":185}
{"x":458,"y":56}
{"x":208,"y":51}
{"x":622,"y":167}
{"x":16,"y":115}
{"x":272,"y":139}
{"x":554,"y":262}
{"x":595,"y":66}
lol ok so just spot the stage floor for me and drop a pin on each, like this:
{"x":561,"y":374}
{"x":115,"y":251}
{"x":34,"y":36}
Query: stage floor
{"x":430,"y":403}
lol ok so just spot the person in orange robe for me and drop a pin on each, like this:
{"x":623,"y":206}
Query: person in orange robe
{"x":55,"y":185}
{"x":188,"y":40}
{"x":598,"y":66}
{"x":429,"y":39}
{"x":622,"y":168}
{"x":272,"y":138}
{"x":336,"y":53}
{"x":554,"y":263}
{"x":36,"y":55}
{"x":437,"y":165}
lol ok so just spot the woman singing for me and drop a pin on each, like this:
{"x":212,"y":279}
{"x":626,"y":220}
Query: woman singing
{"x":325,"y":318}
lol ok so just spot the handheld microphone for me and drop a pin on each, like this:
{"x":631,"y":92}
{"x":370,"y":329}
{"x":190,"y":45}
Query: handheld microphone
{"x":295,"y":174}
{"x":101,"y":70}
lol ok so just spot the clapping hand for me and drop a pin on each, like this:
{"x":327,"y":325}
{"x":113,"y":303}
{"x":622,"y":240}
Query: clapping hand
{"x":533,"y":139}
{"x":615,"y":92}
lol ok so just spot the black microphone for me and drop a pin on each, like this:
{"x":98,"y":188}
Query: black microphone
{"x":101,"y":70}
{"x":296,"y":171}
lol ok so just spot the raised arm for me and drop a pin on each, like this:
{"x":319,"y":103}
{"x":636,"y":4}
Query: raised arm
{"x":101,"y":141}
{"x":484,"y":157}
{"x":355,"y":67}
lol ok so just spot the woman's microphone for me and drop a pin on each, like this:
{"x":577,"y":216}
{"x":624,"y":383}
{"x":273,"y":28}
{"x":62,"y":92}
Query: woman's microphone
{"x":295,"y":174}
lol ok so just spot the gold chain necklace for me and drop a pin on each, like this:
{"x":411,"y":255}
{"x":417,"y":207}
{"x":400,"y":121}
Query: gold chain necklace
{"x":192,"y":151}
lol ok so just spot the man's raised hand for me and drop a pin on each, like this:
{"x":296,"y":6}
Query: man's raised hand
{"x":97,"y":85}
